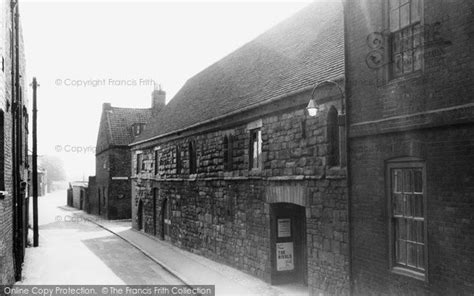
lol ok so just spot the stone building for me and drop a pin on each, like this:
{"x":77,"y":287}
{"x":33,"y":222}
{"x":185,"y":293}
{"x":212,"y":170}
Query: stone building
{"x":13,"y":145}
{"x":234,"y":168}
{"x":109,"y":194}
{"x":411,"y":113}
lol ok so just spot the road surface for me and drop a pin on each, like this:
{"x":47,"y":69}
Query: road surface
{"x":77,"y":252}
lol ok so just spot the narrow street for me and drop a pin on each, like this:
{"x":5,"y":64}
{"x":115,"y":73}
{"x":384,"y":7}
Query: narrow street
{"x":75,"y":251}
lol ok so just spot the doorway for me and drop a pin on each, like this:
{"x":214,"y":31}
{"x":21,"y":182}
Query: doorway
{"x":98,"y":200}
{"x":165,"y":219}
{"x":288,"y":244}
{"x":155,"y":198}
{"x":140,"y":215}
{"x":81,"y":199}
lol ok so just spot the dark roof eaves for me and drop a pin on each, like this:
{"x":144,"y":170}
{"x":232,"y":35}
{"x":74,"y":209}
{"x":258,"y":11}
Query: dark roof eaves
{"x":271,"y":100}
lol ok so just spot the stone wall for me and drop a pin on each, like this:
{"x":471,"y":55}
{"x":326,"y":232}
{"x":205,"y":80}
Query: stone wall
{"x":225,"y":215}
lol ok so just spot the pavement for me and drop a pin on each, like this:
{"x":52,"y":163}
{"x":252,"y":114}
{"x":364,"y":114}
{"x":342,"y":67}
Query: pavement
{"x":191,"y":268}
{"x":81,"y":249}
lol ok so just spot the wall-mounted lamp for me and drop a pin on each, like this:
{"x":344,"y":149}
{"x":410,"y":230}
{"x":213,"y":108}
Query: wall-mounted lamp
{"x":312,"y":108}
{"x":313,"y":105}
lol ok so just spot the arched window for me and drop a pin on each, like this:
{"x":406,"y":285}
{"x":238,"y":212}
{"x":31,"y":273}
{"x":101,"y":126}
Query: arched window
{"x":227,"y":147}
{"x":192,"y":157}
{"x":333,"y":137}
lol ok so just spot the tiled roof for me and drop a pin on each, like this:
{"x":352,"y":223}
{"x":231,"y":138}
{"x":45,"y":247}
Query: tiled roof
{"x":294,"y":55}
{"x":116,"y":125}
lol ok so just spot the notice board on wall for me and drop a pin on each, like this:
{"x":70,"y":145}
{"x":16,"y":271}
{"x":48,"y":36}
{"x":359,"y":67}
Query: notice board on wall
{"x":284,"y":227}
{"x":285,"y":256}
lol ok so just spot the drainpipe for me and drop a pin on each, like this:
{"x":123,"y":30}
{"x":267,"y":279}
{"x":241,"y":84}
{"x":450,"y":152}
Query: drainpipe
{"x":35,"y":169}
{"x":16,"y":143}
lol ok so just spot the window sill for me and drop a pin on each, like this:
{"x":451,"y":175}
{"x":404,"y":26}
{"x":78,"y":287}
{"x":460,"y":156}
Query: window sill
{"x":410,"y":273}
{"x":404,"y":78}
{"x":255,"y":172}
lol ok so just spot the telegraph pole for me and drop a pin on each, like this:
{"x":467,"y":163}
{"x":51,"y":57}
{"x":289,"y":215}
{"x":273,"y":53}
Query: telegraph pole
{"x":35,"y":169}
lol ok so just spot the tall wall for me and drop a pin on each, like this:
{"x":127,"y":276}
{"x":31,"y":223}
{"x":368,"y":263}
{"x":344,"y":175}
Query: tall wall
{"x":225,"y":215}
{"x":7,"y":265}
{"x":102,"y":177}
{"x":6,"y":204}
{"x":427,"y":115}
{"x":119,"y":206}
{"x":113,"y":182}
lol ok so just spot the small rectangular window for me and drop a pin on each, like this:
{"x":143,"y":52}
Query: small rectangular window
{"x":139,"y":163}
{"x":178,"y":159}
{"x":157,"y":161}
{"x":255,"y":149}
{"x":192,"y":157}
{"x":228,"y":152}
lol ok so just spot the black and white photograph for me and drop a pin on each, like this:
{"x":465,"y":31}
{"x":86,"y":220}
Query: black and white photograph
{"x":237,"y":147}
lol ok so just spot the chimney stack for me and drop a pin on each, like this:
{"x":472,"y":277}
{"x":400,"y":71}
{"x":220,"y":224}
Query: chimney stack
{"x":158,"y":99}
{"x":106,"y":106}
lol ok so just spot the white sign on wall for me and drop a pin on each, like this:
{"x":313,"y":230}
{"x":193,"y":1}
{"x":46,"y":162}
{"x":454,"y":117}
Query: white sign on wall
{"x":285,"y":256}
{"x":284,"y":227}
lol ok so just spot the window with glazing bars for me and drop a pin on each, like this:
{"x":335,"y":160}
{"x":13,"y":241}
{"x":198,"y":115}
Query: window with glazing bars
{"x":408,"y":201}
{"x":406,"y":36}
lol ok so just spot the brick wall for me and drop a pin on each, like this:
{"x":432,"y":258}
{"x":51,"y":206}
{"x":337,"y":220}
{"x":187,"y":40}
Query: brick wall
{"x":427,"y":115}
{"x":102,"y":175}
{"x":225,"y":215}
{"x":112,"y":166}
{"x":7,"y":269}
{"x":6,"y":206}
{"x":449,"y":155}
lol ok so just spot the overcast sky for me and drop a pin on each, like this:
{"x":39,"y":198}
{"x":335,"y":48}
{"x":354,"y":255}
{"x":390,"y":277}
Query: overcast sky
{"x":87,"y":53}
